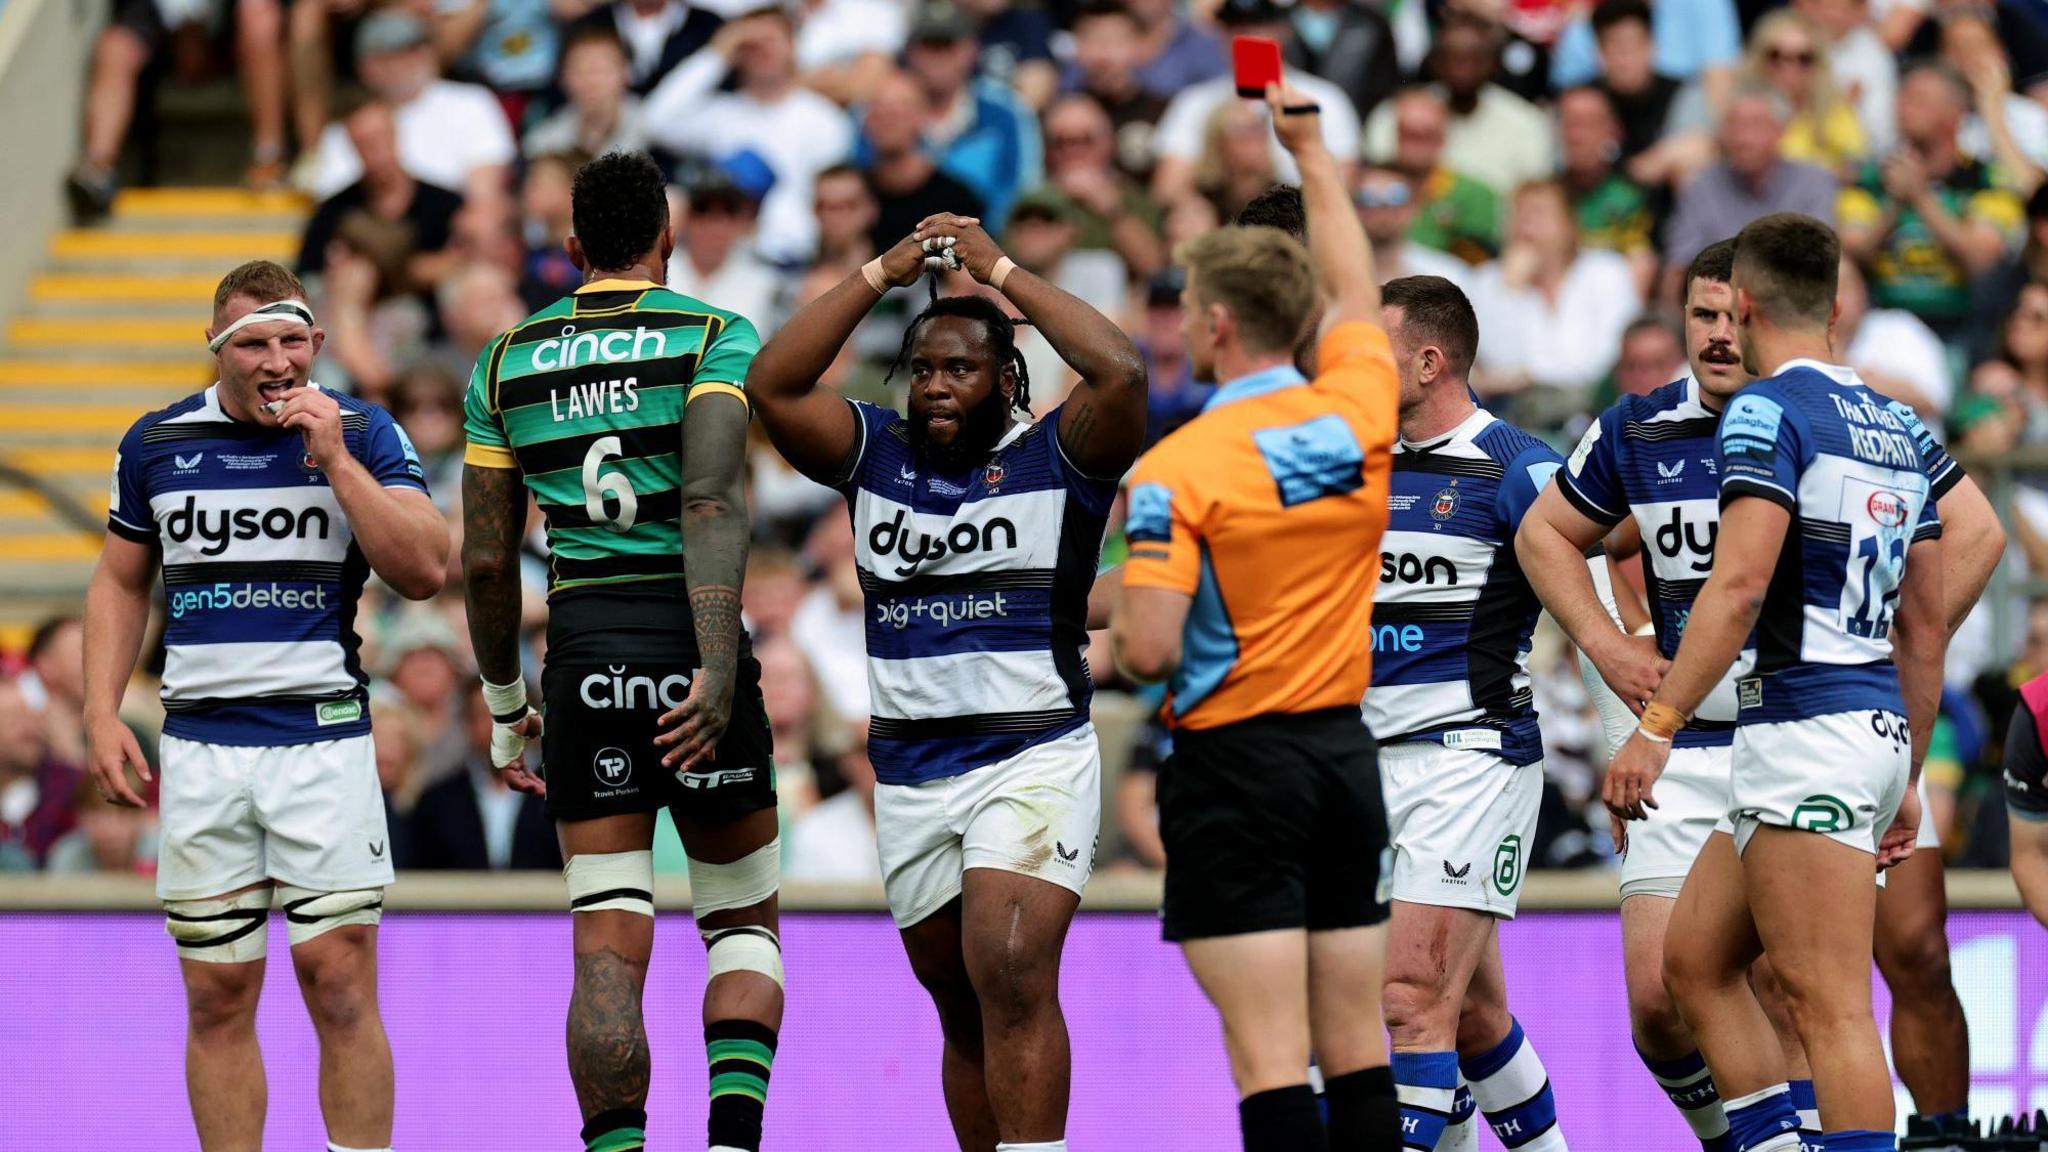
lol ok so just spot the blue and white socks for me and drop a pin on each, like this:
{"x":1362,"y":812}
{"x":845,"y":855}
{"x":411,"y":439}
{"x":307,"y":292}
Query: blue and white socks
{"x":1691,"y":1090}
{"x":1763,"y":1121}
{"x":1426,"y":1083}
{"x":1511,"y":1087}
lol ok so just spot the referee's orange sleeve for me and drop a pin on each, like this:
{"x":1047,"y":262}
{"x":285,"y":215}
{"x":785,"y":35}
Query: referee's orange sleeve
{"x":1165,"y":549}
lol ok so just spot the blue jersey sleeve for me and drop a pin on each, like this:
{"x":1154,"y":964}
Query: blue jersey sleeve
{"x":129,"y":514}
{"x":1928,"y":527}
{"x":389,"y":455}
{"x":870,"y":421}
{"x":1943,"y":473}
{"x":1095,"y":493}
{"x":1527,"y":474}
{"x":1762,"y":449}
{"x":1591,"y":477}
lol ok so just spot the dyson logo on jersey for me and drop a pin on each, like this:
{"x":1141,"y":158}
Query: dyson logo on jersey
{"x":945,"y":611}
{"x":612,"y":688}
{"x":217,"y":529}
{"x":228,"y":595}
{"x":572,"y":349}
{"x":1397,"y":638}
{"x":1408,"y":568}
{"x":892,"y":538}
{"x":1677,"y":537}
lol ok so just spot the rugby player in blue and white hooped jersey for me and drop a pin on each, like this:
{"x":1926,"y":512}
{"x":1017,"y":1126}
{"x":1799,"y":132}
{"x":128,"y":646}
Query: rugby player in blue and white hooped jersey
{"x":1461,"y":760}
{"x":266,"y":502}
{"x":977,"y":534}
{"x":1829,"y":546}
{"x":1651,"y":462}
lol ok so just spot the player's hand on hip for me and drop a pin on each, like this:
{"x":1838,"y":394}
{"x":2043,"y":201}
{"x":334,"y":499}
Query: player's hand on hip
{"x":691,"y":730}
{"x":1631,"y":774}
{"x":1632,"y":666}
{"x":508,"y":753}
{"x":1896,"y":846}
{"x":976,"y":249}
{"x":313,"y":414}
{"x":110,"y":749}
{"x":1296,"y":119}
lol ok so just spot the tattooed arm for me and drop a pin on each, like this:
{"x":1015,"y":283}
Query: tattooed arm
{"x":1102,"y":424}
{"x":493,"y":520}
{"x":715,"y":535}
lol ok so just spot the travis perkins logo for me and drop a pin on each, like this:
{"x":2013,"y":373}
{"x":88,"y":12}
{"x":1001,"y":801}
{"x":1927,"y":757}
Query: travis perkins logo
{"x":217,"y":529}
{"x":891,"y":538}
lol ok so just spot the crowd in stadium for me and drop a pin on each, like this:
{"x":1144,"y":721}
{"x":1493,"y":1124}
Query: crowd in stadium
{"x":1560,"y":160}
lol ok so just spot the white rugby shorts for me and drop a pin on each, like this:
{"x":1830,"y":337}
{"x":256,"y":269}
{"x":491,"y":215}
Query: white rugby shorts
{"x":1842,"y":775}
{"x":309,"y":815}
{"x":1035,"y":814}
{"x":1692,"y":801}
{"x":1461,"y":822}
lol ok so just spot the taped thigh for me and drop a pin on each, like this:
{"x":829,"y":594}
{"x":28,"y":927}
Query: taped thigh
{"x":309,"y":912}
{"x":226,"y":930}
{"x":611,"y":882}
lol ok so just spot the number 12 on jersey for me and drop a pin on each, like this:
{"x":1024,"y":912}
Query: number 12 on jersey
{"x":1880,"y":522}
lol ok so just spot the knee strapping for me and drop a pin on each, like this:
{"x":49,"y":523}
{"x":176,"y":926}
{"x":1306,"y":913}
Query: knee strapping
{"x":611,"y":882}
{"x":747,"y":948}
{"x":309,"y":913}
{"x":743,"y":883}
{"x":227,"y":930}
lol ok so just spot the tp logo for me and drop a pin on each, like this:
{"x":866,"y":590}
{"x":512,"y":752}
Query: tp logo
{"x":613,"y":767}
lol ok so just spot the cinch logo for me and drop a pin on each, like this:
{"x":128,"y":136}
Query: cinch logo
{"x":1408,"y":568}
{"x":217,"y":529}
{"x":1678,"y":538}
{"x":618,"y":690}
{"x":1397,"y":638}
{"x":891,"y":538}
{"x":571,"y":349}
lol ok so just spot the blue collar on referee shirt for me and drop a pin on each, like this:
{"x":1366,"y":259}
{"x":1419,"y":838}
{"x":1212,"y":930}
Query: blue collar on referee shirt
{"x":1256,"y":384}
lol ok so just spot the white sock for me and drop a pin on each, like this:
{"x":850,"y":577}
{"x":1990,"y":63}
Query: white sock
{"x":1461,"y":1132}
{"x":1511,"y":1087}
{"x":1041,"y":1146}
{"x":333,"y":1147}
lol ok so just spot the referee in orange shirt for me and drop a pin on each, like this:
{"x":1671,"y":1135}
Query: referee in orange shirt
{"x":1255,"y":531}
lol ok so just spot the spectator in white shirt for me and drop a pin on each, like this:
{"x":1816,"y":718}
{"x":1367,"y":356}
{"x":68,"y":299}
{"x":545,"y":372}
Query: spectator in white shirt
{"x":449,"y":134}
{"x":1495,"y":136}
{"x":602,"y":114}
{"x":1894,"y":351}
{"x":845,"y":47}
{"x":714,"y":260}
{"x":1551,"y":313}
{"x":796,"y":131}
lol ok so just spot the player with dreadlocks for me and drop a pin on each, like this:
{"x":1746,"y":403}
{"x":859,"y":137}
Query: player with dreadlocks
{"x":977,"y":533}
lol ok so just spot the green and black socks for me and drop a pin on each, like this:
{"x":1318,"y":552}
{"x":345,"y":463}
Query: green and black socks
{"x":740,"y":1053}
{"x":616,"y":1130}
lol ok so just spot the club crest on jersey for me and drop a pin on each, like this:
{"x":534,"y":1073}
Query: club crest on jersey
{"x":307,"y":463}
{"x":993,"y":475}
{"x":1445,"y":505}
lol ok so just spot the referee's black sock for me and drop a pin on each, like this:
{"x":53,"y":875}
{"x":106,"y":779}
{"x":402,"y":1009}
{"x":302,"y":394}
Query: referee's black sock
{"x":1364,"y":1113}
{"x":1282,"y":1120}
{"x":616,"y":1130}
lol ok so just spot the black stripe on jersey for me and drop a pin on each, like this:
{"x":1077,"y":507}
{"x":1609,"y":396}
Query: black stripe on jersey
{"x":528,"y":391}
{"x":1829,"y":530}
{"x":204,"y":703}
{"x":957,"y":582}
{"x":252,"y":570}
{"x":957,"y":727}
{"x":167,"y":432}
{"x":1421,"y":613}
{"x":654,"y":508}
{"x":568,"y":569}
{"x":1697,"y":427}
{"x":1440,"y":464}
{"x":569,"y":451}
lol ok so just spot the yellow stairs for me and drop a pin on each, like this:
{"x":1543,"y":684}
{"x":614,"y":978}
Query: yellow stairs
{"x":114,"y":326}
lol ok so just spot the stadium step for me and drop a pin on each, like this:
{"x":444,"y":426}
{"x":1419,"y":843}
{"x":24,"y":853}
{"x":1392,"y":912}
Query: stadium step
{"x":111,"y":328}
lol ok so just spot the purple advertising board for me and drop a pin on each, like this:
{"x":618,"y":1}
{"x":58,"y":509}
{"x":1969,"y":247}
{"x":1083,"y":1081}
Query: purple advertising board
{"x":91,"y":1030}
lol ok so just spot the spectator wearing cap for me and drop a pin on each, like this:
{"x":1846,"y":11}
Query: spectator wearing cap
{"x":449,"y":134}
{"x":908,"y":184}
{"x":1387,"y":207}
{"x":1494,"y":136}
{"x":980,"y":133}
{"x":1751,"y":180}
{"x":508,"y":46}
{"x":1183,"y":130}
{"x":1110,"y":211}
{"x":1016,"y":48}
{"x":1042,"y":237}
{"x":1351,"y":45}
{"x":1109,"y":46}
{"x":1454,"y":213}
{"x":601,"y":114}
{"x":1927,"y":223}
{"x":715,"y":260}
{"x":845,"y":47}
{"x":1692,"y":40}
{"x":794,"y":131}
{"x":658,"y":34}
{"x":1613,"y":211}
{"x":1895,"y":352}
{"x":1178,"y":53}
{"x":471,"y":821}
{"x":1173,"y":395}
{"x":422,"y":215}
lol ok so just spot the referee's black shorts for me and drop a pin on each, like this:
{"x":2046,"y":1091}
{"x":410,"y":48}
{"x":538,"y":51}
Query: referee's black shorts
{"x":1272,"y":823}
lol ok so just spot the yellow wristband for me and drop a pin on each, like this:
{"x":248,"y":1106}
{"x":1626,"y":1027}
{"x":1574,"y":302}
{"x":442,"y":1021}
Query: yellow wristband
{"x":1662,"y":720}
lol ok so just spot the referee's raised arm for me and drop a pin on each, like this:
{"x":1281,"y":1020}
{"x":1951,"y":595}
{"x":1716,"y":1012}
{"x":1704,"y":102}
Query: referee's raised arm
{"x":1337,"y":243}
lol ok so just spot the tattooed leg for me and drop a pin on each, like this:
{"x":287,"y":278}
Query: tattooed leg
{"x":609,"y":1061}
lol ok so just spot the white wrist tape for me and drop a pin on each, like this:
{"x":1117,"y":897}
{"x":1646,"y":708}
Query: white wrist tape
{"x":1001,"y":272}
{"x":507,"y":702}
{"x":872,"y":273}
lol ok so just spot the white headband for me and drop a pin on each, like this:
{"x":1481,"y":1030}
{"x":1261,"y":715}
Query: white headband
{"x":290,"y":311}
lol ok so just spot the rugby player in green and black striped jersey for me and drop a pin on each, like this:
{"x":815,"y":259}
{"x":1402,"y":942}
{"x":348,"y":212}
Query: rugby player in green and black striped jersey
{"x":621,"y":410}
